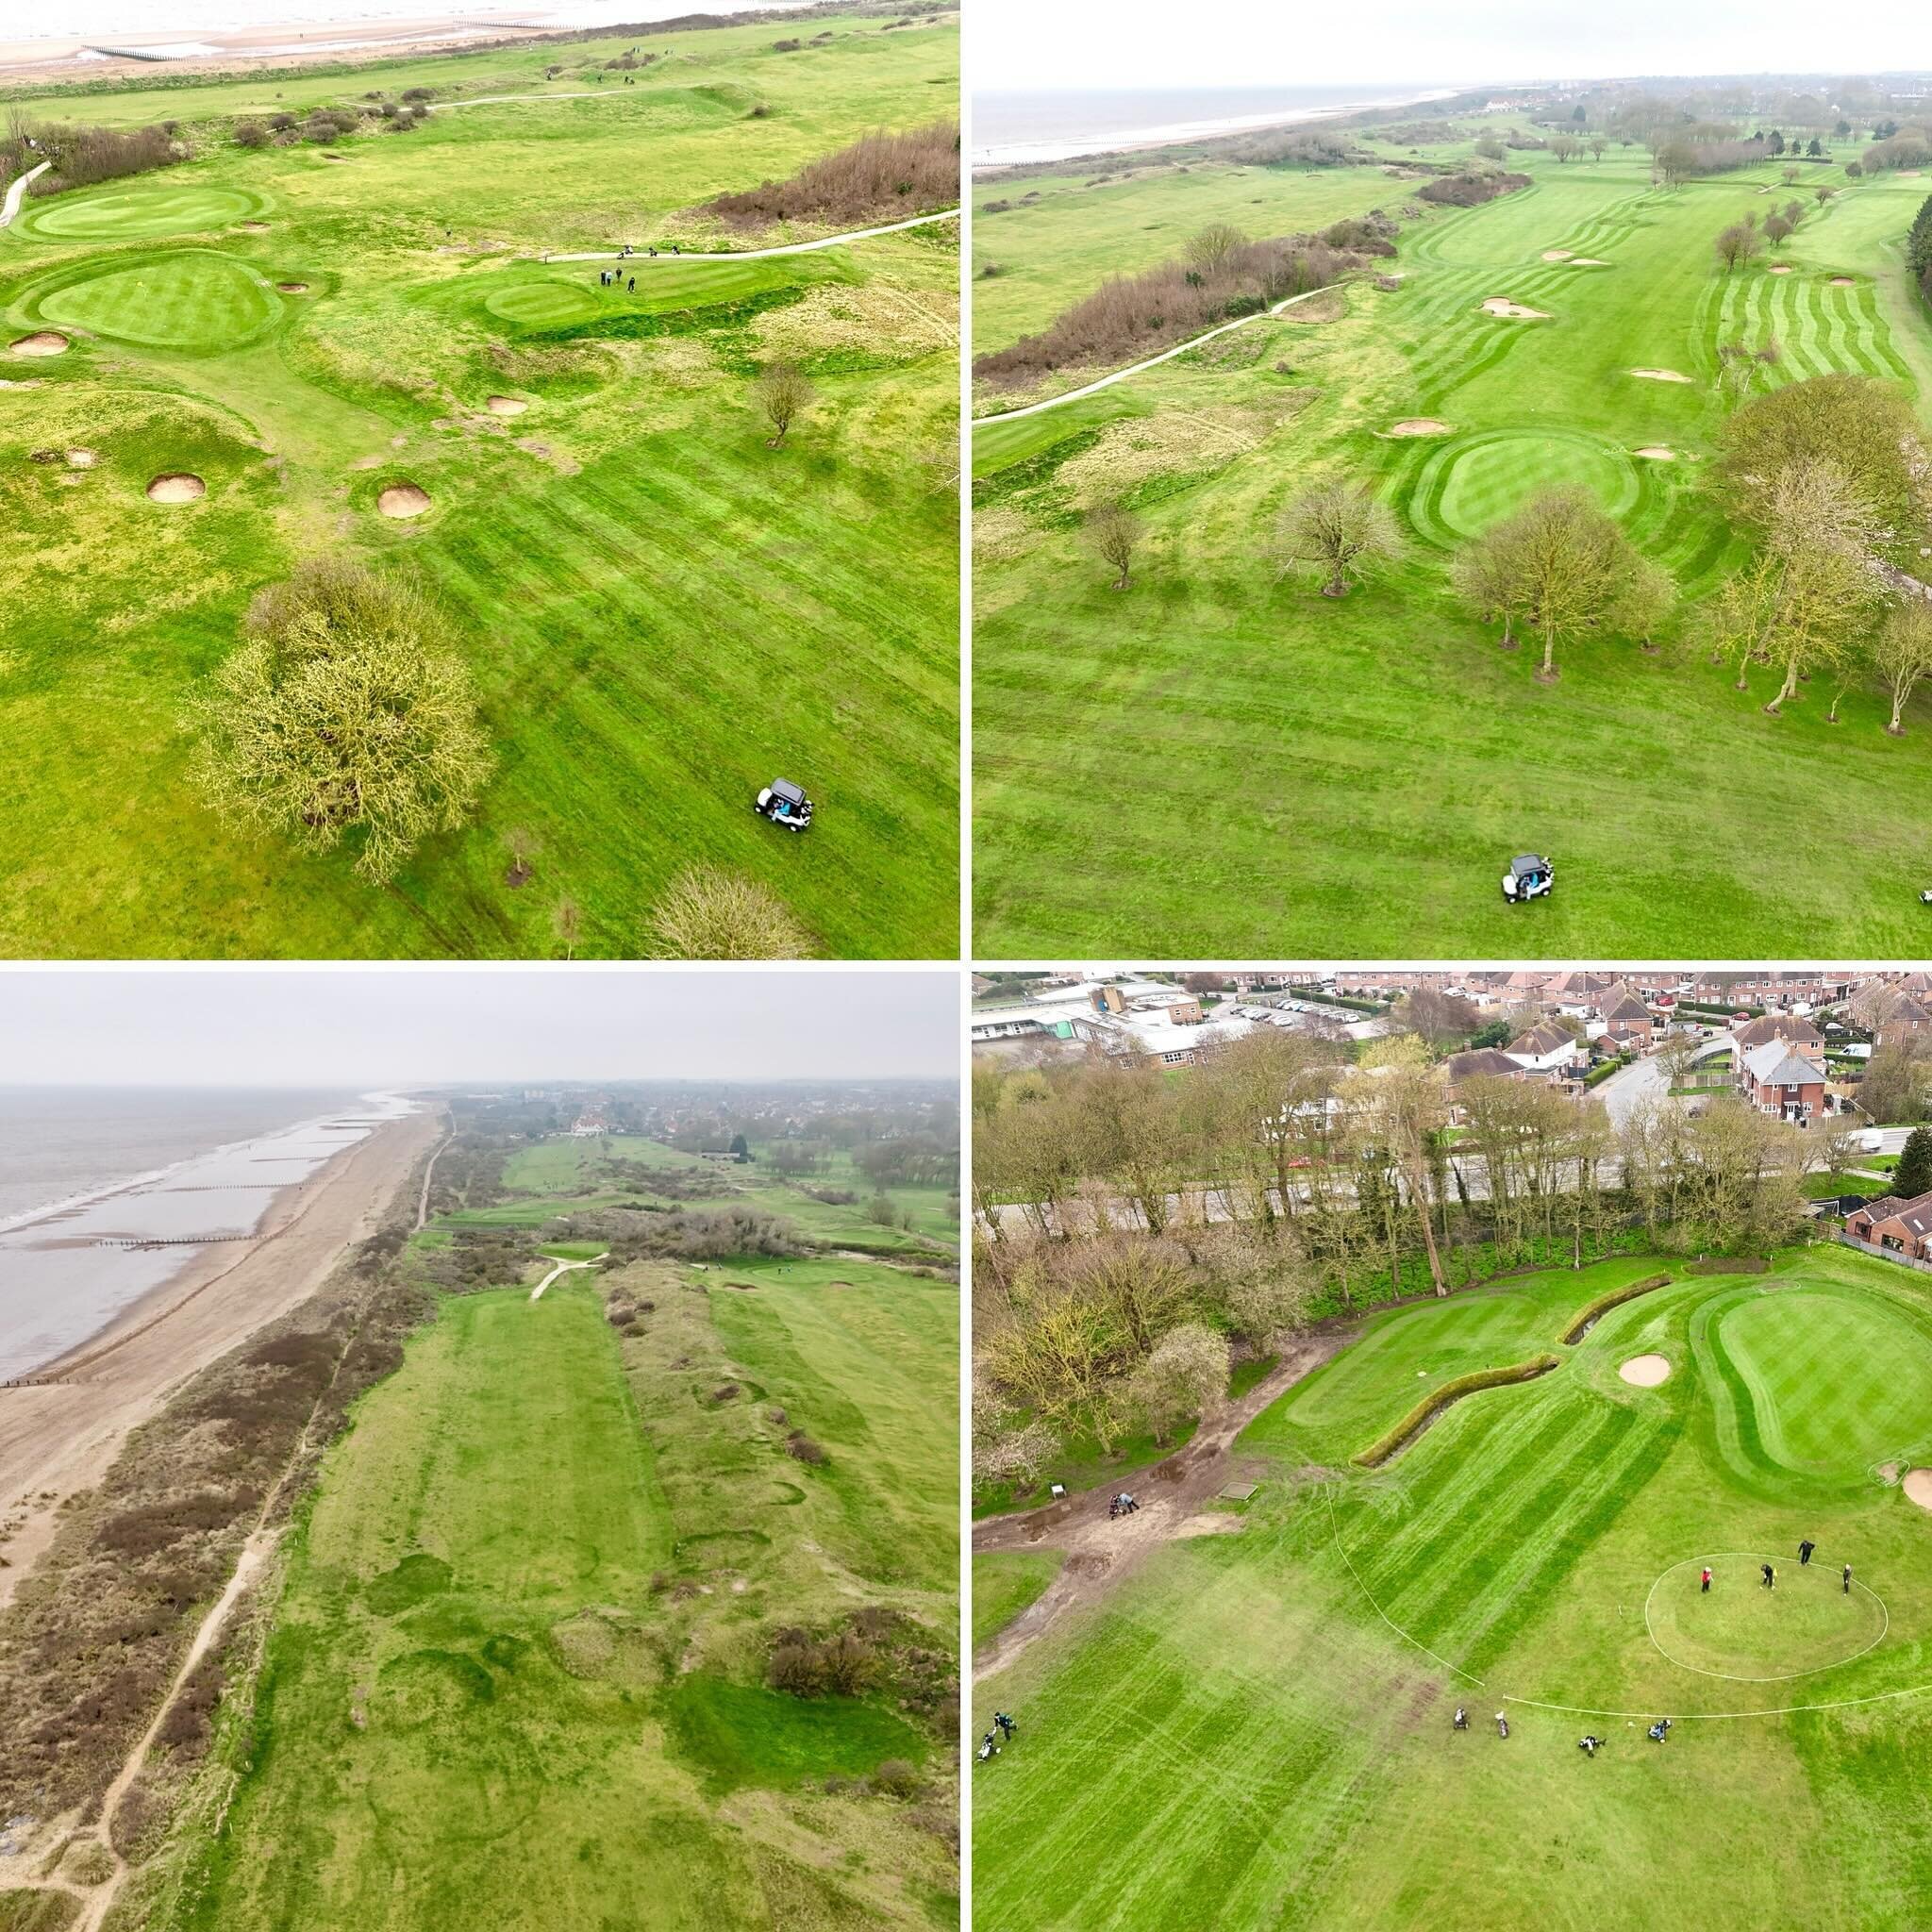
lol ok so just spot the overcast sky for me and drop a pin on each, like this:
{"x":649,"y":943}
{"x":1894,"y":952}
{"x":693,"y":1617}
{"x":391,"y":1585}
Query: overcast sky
{"x":393,"y":1028}
{"x":1124,"y":43}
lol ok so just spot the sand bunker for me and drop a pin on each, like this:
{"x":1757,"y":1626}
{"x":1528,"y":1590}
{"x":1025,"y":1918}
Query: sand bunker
{"x":1843,"y":282}
{"x":1918,"y":1486}
{"x":82,"y":459}
{"x":1556,"y":254}
{"x":1658,"y":453}
{"x":1780,"y":268}
{"x":1647,"y":1370}
{"x":505,"y":406}
{"x":403,"y":500}
{"x":48,"y":342}
{"x":176,"y":488}
{"x":292,"y":287}
{"x":1587,"y":261}
{"x":1660,"y":376}
{"x":1501,"y":304}
{"x":1419,"y":425}
{"x":253,"y":227}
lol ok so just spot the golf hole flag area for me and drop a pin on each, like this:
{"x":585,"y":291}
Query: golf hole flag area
{"x":1367,"y":763}
{"x":1256,"y":1729}
{"x":380,"y":359}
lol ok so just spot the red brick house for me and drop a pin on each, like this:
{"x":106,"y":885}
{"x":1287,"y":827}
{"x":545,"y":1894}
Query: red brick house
{"x":1776,"y":1079}
{"x":1801,"y":1034}
{"x":1904,"y":1227}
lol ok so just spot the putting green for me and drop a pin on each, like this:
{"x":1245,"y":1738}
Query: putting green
{"x":1741,"y":1630}
{"x":192,"y":300}
{"x":1473,"y":482}
{"x":135,"y":214}
{"x":1835,"y":1383}
{"x":543,"y":305}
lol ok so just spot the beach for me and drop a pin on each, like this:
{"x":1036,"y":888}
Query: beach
{"x":118,"y":39}
{"x":60,"y":1430}
{"x":1012,"y":130}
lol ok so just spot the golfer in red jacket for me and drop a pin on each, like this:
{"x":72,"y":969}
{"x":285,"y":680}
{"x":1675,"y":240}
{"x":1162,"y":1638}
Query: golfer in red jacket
{"x":1705,"y":1590}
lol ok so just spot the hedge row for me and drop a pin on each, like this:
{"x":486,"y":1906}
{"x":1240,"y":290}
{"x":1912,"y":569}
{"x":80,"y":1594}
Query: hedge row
{"x":1379,"y":1451}
{"x":1594,"y":1311}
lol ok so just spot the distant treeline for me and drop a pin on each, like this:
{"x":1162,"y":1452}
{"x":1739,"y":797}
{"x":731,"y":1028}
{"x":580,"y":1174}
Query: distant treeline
{"x":1222,"y":277}
{"x":881,"y":177}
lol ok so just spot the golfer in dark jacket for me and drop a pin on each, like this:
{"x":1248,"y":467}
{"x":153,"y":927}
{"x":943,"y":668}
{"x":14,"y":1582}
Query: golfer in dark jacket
{"x":1769,"y":1576}
{"x":1804,"y":1550}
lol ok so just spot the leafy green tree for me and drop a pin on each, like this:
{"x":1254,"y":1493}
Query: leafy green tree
{"x":347,"y":710}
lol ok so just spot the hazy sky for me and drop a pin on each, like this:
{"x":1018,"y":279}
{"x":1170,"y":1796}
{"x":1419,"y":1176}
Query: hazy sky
{"x":1121,"y":44}
{"x":381,"y":1027}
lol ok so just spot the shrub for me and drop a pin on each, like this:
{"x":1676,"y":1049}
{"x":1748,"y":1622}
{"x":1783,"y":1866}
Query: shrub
{"x":712,"y":914}
{"x":1469,"y":191}
{"x":801,"y":1447}
{"x":897,"y":1776}
{"x":1385,"y":1445}
{"x":878,"y":174}
{"x":250,"y":134}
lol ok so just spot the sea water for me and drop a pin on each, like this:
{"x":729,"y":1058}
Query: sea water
{"x":106,"y":1193}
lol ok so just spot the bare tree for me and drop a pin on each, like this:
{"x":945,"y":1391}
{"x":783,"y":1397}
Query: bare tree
{"x":1597,"y":143}
{"x":1115,"y":531}
{"x":1738,"y":243}
{"x":1210,"y":251}
{"x":567,"y":921}
{"x":783,"y":392}
{"x":1348,"y":534}
{"x":521,"y":846}
{"x":1903,"y":652}
{"x":707,"y":913}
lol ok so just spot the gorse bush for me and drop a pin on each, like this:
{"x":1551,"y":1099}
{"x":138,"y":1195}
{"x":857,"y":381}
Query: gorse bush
{"x":879,"y":175}
{"x":80,"y":156}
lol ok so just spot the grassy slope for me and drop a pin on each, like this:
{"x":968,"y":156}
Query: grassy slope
{"x":1275,"y":772}
{"x":1244,"y":1700}
{"x":1003,"y":1583}
{"x":556,"y":1176}
{"x":665,"y":613}
{"x":554,"y":1734}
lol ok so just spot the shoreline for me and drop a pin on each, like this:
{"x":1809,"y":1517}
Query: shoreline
{"x":1050,"y":153}
{"x":58,"y":58}
{"x":61,"y":1431}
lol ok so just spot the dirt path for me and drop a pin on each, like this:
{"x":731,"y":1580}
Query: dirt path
{"x":61,"y":1437}
{"x":951,"y":214}
{"x":564,"y":1268}
{"x":1152,"y":362}
{"x":423,"y":1202}
{"x":17,"y":192}
{"x":1173,"y":1497}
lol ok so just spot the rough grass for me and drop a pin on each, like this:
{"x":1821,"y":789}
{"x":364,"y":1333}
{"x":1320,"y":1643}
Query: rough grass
{"x":1367,"y":766}
{"x":664,"y":613}
{"x":1004,"y":1584}
{"x":518,"y":1651}
{"x":1239,"y":1736}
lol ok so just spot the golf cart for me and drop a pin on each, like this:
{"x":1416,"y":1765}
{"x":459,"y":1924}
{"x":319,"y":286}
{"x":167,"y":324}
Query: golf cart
{"x":785,"y":804}
{"x":1528,"y":877}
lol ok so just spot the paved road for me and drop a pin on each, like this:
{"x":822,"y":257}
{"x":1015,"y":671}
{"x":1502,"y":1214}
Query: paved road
{"x":951,"y":214}
{"x":1152,"y":362}
{"x":17,"y":192}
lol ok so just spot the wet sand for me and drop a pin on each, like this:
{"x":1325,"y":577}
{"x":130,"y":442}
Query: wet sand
{"x":60,"y":1437}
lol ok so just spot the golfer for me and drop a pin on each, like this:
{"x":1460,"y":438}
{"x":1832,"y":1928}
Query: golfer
{"x":1848,"y":1579}
{"x":1769,"y":1576}
{"x":1804,"y":1550}
{"x":1704,"y":1589}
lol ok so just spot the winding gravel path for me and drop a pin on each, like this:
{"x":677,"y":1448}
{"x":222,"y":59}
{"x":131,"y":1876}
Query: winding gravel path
{"x":951,"y":214}
{"x":564,"y":1268}
{"x":17,"y":192}
{"x":1152,"y":362}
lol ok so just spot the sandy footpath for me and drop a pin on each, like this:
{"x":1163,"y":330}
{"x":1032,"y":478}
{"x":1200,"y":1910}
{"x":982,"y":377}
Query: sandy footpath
{"x":57,"y":1440}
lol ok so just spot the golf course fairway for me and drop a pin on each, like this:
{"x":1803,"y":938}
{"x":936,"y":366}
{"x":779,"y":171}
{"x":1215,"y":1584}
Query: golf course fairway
{"x":657,"y":611}
{"x":1254,"y":1728}
{"x":1348,"y":777}
{"x":512,"y":1668}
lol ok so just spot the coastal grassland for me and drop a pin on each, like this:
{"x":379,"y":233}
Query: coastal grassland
{"x":1221,"y":762}
{"x":570,"y":1175}
{"x":1257,"y":1725}
{"x":662,"y":612}
{"x":515,"y":1668}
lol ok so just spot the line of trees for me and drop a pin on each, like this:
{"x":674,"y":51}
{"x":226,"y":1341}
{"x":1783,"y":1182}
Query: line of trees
{"x":1134,"y":1234}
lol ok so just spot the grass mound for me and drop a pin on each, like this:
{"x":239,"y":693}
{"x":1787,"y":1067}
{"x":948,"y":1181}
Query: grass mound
{"x":739,"y":1736}
{"x":1593,"y":1311}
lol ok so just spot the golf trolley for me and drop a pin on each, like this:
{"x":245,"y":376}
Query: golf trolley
{"x":785,"y":804}
{"x":1529,"y":876}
